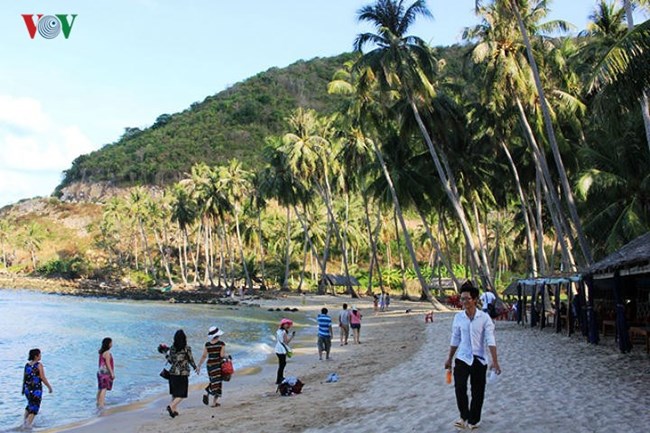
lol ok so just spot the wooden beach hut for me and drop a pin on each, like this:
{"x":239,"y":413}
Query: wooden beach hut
{"x":331,"y":281}
{"x":619,"y":290}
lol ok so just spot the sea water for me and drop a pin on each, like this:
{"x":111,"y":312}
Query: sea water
{"x":69,"y":331}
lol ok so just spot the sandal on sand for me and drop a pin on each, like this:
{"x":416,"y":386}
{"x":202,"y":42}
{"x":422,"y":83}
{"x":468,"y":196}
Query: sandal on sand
{"x":205,"y":399}
{"x":171,"y":412}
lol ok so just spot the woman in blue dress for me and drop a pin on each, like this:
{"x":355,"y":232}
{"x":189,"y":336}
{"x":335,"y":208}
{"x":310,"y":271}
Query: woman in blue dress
{"x":33,"y":381}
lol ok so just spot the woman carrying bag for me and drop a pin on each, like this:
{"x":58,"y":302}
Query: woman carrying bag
{"x":215,"y":352}
{"x":180,"y":357}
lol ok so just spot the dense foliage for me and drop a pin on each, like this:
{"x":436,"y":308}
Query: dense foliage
{"x":515,"y":153}
{"x":230,"y":124}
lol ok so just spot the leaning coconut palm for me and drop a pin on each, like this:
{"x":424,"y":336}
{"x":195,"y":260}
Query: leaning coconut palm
{"x":365,"y":111}
{"x":509,"y":82}
{"x":516,"y":6}
{"x":402,"y":64}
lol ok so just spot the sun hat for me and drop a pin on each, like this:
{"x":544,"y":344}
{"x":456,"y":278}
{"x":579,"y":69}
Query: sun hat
{"x":214,"y":332}
{"x":286,"y":321}
{"x":354,"y":308}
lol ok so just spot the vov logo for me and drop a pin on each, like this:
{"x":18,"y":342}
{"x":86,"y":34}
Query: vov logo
{"x":49,"y":26}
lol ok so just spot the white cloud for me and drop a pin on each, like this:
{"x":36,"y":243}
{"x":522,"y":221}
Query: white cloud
{"x":34,"y":149}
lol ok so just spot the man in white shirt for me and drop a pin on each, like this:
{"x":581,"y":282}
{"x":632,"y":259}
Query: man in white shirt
{"x":487,"y":298}
{"x":471,"y":331}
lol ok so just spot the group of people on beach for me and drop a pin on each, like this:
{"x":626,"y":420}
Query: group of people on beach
{"x":348,"y":319}
{"x":179,"y":356}
{"x":472,"y":333}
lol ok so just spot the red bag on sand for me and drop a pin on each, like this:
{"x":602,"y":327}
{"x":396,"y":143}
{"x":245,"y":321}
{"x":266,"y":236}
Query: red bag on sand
{"x":227,"y":368}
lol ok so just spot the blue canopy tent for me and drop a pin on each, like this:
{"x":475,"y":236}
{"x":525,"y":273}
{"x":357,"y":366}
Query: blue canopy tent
{"x":539,"y":290}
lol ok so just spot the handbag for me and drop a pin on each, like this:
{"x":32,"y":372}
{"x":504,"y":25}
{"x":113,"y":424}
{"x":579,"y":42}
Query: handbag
{"x":227,"y":368}
{"x":165,"y":374}
{"x":288,"y":351}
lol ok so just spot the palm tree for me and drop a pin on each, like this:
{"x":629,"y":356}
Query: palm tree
{"x":509,"y":80}
{"x":539,"y":8}
{"x":311,"y":158}
{"x":138,"y":200}
{"x":622,"y":72}
{"x":235,"y":184}
{"x":645,"y":101}
{"x":6,"y":230}
{"x":183,"y":213}
{"x":615,"y":185}
{"x":32,"y":238}
{"x":403,"y":63}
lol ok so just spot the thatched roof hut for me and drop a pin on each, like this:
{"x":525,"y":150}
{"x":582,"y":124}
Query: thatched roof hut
{"x":339,"y":280}
{"x":620,"y":283}
{"x":631,"y":258}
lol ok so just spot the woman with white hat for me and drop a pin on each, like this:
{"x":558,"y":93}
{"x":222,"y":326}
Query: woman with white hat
{"x":282,"y":348}
{"x":215,"y":351}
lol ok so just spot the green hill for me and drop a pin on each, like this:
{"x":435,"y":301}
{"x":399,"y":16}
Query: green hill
{"x":230,"y":124}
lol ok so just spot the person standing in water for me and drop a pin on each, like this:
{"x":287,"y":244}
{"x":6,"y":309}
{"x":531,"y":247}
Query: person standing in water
{"x":105,"y":372}
{"x":33,"y":380}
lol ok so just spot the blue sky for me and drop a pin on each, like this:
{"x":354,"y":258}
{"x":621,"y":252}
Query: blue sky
{"x":128,"y":61}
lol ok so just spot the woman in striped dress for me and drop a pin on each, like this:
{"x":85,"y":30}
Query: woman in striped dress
{"x":215,"y":352}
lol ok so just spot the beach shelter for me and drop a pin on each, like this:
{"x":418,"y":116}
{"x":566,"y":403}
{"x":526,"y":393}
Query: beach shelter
{"x":539,"y":290}
{"x":620,"y":283}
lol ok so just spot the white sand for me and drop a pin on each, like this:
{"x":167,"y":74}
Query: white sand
{"x":394,"y":382}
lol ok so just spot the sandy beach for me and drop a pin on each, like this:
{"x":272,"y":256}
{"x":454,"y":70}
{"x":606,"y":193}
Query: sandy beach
{"x":394,"y":381}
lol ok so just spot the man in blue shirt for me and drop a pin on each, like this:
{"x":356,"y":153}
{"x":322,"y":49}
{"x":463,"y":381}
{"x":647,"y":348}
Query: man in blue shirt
{"x":324,"y":334}
{"x":471,"y":331}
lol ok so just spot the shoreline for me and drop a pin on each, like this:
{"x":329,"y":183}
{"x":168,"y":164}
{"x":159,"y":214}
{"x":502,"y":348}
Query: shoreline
{"x":258,"y":384}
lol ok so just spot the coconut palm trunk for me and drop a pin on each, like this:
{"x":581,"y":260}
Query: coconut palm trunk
{"x":546,"y":113}
{"x":287,"y":254}
{"x":439,"y":253}
{"x":407,"y":238}
{"x":453,"y":198}
{"x":524,"y":210}
{"x":240,"y":244}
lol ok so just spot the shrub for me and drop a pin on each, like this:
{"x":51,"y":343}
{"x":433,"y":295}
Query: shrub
{"x":69,"y":268}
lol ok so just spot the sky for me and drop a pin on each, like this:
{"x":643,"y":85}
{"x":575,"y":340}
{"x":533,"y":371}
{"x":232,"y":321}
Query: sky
{"x":125,"y":62}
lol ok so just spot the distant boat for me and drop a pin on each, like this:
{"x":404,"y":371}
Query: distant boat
{"x":162,"y":289}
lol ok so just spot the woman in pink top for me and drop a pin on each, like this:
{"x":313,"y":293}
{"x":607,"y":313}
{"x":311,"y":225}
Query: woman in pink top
{"x":355,"y":324}
{"x":106,"y":371}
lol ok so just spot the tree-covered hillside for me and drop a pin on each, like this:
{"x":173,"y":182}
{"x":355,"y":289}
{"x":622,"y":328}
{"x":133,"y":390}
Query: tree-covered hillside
{"x":230,"y":124}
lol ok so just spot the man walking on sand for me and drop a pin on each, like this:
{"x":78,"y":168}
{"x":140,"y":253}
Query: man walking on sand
{"x":471,"y":330}
{"x":344,"y":324}
{"x":324,"y":334}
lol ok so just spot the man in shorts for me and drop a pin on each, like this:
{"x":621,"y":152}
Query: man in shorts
{"x":324,"y":334}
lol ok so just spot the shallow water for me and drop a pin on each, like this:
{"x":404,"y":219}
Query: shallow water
{"x":69,"y":331}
